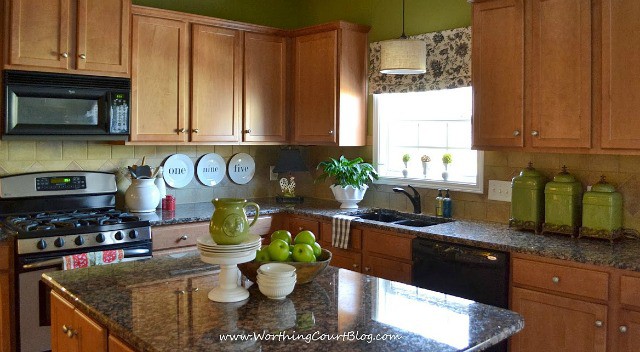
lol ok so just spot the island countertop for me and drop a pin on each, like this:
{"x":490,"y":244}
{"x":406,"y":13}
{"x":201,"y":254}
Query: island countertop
{"x":161,"y":304}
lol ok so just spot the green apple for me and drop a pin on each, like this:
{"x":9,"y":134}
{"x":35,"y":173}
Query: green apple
{"x":278,"y":250}
{"x":281,"y":235}
{"x":262,"y":255}
{"x":303,"y":252}
{"x":290,"y":257}
{"x":306,"y":237}
{"x":317,"y":250}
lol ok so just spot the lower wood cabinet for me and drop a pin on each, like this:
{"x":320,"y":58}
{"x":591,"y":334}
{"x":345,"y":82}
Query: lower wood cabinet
{"x":387,"y":255}
{"x":115,"y":345}
{"x":72,"y":331}
{"x":6,"y":288}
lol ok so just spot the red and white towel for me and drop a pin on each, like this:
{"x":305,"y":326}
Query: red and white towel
{"x":84,"y":260}
{"x":341,"y":230}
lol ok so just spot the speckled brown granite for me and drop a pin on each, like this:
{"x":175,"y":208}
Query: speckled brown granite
{"x":161,"y":304}
{"x":623,"y":254}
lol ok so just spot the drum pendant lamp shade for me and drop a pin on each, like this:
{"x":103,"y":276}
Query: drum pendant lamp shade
{"x":403,"y":56}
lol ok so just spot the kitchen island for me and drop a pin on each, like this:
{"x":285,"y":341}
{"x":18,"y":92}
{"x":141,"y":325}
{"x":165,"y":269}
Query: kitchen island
{"x":161,"y":304}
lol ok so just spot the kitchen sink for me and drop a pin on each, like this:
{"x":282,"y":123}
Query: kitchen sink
{"x":415,"y":223}
{"x":382,"y":217}
{"x":394,"y":217}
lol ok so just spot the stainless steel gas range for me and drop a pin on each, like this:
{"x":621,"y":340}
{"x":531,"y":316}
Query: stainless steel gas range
{"x":55,"y":214}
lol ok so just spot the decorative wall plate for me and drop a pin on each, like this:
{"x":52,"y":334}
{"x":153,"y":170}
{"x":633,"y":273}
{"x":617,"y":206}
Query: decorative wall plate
{"x":210,"y":169}
{"x":241,"y":168}
{"x":178,"y":170}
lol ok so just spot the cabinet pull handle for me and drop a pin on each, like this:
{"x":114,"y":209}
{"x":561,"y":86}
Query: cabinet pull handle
{"x":516,"y":133}
{"x":195,"y":130}
{"x":184,"y":237}
{"x":366,"y":268}
{"x":182,"y":130}
{"x":599,"y":323}
{"x":355,"y":265}
{"x":535,"y":133}
{"x":65,"y":329}
{"x":180,"y":292}
{"x":247,"y":131}
{"x":83,"y":56}
{"x":64,"y":55}
{"x":299,"y":228}
{"x":622,"y":328}
{"x":555,"y":279}
{"x":71,"y":333}
{"x":330,"y":131}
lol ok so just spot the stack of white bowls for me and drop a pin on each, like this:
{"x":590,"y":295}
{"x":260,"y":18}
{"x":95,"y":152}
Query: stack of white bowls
{"x":276,"y":280}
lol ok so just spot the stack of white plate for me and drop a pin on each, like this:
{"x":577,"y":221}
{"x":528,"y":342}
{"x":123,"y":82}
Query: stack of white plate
{"x":276,"y":280}
{"x":212,"y":250}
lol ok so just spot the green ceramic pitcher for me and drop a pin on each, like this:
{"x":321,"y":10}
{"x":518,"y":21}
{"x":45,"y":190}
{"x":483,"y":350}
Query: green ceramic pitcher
{"x":229,"y":224}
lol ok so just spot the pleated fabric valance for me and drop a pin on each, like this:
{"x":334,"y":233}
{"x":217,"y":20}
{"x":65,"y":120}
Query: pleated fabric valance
{"x":448,"y":64}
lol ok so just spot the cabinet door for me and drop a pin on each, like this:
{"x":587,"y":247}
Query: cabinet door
{"x":620,"y":74}
{"x":5,"y":313}
{"x":90,"y":336}
{"x":103,"y":35}
{"x":40,"y":33}
{"x":629,"y":331}
{"x":159,"y":80}
{"x":62,"y":321}
{"x":216,"y":84}
{"x":264,"y":89}
{"x":555,"y":323}
{"x":561,"y":73}
{"x":115,"y":345}
{"x":498,"y":78}
{"x":315,"y":88}
{"x":386,"y":268}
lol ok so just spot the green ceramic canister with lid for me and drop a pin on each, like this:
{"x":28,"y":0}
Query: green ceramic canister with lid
{"x":602,"y":212}
{"x":563,"y":204}
{"x":527,"y":200}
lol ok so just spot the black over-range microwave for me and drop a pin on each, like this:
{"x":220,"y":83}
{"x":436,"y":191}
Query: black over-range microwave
{"x":65,"y":106}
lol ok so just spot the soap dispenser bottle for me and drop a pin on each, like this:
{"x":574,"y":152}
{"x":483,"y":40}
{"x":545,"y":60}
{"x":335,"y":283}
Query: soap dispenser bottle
{"x":439,"y":203}
{"x":446,"y":205}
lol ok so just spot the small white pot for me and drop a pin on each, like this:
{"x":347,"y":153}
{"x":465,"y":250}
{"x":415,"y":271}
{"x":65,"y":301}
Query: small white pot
{"x":142,"y":196}
{"x":348,"y":196}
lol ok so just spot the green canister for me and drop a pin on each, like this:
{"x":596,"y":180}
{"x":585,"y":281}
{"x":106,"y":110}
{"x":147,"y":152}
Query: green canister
{"x":602,"y":212}
{"x":563,"y":204}
{"x":527,"y":200}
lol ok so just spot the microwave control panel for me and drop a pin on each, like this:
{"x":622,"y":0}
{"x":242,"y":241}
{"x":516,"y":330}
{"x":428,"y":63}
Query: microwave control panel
{"x":119,"y":113}
{"x":60,"y":183}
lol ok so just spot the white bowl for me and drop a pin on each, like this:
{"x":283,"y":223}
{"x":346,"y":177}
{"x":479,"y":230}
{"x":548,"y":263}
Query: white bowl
{"x":276,"y":292}
{"x":277,"y":269}
{"x":268,"y":282}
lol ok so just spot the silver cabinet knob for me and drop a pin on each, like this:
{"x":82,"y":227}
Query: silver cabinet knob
{"x":355,"y":265}
{"x":300,"y":228}
{"x":555,"y":279}
{"x":184,"y":237}
{"x":366,"y":268}
{"x":65,"y":55}
{"x":599,"y":323}
{"x":331,"y":132}
{"x":182,"y":130}
{"x":83,"y":56}
{"x":622,"y":328}
{"x":535,"y":133}
{"x":516,"y":133}
{"x":248,"y":130}
{"x":71,"y":333}
{"x":195,"y":130}
{"x":65,"y":329}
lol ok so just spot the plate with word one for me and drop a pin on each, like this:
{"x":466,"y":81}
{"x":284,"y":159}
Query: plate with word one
{"x":241,"y":168}
{"x":210,"y":169}
{"x":178,"y":170}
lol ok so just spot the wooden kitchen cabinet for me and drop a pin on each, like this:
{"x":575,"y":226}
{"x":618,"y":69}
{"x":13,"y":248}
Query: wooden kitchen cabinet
{"x":6,"y":299}
{"x":73,"y":331}
{"x":387,"y":255}
{"x":347,"y":258}
{"x":297,"y":224}
{"x":265,"y":90}
{"x":159,"y":79}
{"x":329,"y":84}
{"x":115,"y":345}
{"x":628,"y":330}
{"x":70,"y":36}
{"x":172,"y":238}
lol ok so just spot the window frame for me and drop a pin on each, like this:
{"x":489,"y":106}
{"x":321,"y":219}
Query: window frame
{"x":421,"y":183}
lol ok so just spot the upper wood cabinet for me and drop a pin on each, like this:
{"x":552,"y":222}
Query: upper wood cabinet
{"x":620,"y":74}
{"x":329,"y":82}
{"x":498,"y":73}
{"x":265,"y":88}
{"x":70,"y":36}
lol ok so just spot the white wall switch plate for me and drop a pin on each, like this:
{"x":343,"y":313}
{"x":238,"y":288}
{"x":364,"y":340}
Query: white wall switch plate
{"x":500,"y":190}
{"x":273,"y":176}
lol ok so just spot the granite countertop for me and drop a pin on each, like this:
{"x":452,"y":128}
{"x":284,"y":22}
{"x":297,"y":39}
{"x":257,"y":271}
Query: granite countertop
{"x":623,"y":254}
{"x":161,"y":304}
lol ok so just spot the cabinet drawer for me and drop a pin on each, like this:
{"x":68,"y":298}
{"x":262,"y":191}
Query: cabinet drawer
{"x":298,"y":224}
{"x":630,"y":290}
{"x":355,"y":242}
{"x":386,"y":269}
{"x":5,"y":257}
{"x":576,"y":281}
{"x":346,"y":259}
{"x":387,"y":244}
{"x":175,"y":236}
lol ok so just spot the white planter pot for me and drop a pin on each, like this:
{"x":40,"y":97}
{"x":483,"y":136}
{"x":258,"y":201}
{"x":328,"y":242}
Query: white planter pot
{"x":142,"y":196}
{"x":348,"y":196}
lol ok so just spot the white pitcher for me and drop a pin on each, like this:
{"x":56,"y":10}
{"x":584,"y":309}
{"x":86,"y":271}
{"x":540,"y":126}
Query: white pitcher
{"x":142,"y":196}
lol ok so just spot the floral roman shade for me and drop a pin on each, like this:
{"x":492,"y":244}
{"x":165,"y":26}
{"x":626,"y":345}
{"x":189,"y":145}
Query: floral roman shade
{"x":448,"y":64}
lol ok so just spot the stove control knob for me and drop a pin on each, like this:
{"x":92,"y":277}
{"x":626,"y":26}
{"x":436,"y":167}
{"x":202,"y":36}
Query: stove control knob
{"x":119,"y":236}
{"x":42,"y":244}
{"x":100,"y":238}
{"x":79,"y":241}
{"x":133,"y":234}
{"x":59,"y":242}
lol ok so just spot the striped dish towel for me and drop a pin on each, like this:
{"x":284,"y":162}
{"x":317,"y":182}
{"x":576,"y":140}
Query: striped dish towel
{"x":340,"y":231}
{"x":84,"y":260}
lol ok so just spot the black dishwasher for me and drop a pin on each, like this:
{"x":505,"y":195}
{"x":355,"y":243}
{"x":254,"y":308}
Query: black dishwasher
{"x":473,"y":273}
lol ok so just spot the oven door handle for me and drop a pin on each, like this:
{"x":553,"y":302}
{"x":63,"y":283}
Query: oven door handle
{"x":129,"y":255}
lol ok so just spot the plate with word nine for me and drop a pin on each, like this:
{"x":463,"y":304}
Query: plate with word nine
{"x":210,"y":169}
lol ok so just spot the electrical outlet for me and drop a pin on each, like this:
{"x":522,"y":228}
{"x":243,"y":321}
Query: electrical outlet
{"x":500,"y":190}
{"x":273,"y":176}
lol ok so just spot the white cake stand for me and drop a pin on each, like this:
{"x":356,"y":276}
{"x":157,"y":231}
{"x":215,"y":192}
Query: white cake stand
{"x":228,"y":289}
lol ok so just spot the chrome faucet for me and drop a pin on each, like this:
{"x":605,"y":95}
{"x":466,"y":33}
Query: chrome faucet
{"x":415,"y":198}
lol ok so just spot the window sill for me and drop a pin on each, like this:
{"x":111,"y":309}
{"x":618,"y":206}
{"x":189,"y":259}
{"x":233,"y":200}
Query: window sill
{"x":432,"y":184}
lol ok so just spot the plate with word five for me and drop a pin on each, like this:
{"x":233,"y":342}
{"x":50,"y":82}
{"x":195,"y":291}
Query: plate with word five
{"x":178,"y":170}
{"x":210,"y":169}
{"x":241,"y":168}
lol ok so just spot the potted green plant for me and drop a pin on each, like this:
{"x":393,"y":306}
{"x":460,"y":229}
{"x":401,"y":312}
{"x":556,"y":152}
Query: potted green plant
{"x":405,"y":160}
{"x":446,"y":160}
{"x":350,"y":179}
